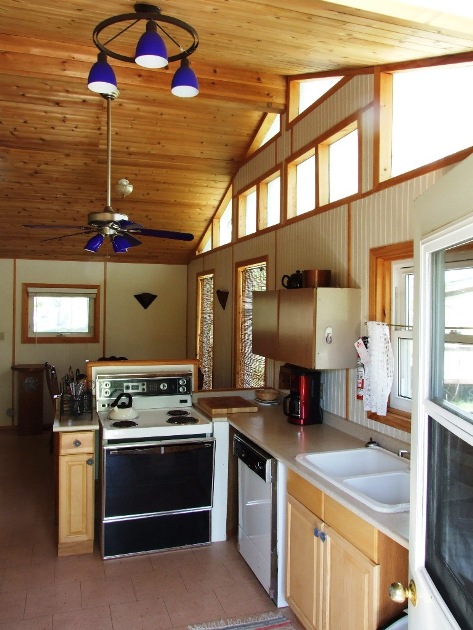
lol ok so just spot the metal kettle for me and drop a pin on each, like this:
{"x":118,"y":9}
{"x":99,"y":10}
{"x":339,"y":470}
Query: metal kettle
{"x":122,"y":409}
{"x":294,"y":281}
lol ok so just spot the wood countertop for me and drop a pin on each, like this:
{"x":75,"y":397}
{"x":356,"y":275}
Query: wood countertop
{"x":268,"y":428}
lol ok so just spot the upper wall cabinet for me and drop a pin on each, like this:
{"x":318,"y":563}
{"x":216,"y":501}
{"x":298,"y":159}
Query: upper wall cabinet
{"x":312,"y":328}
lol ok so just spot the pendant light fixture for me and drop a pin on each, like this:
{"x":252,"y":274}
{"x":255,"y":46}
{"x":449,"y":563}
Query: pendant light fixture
{"x":161,"y":32}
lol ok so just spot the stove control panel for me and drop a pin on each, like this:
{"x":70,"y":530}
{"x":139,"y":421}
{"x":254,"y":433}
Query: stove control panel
{"x":109,"y":387}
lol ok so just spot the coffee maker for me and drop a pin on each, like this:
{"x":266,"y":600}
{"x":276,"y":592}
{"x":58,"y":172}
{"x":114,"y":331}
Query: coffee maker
{"x":302,"y":404}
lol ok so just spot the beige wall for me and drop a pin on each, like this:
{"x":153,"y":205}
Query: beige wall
{"x":126,"y":329}
{"x":338,"y":239}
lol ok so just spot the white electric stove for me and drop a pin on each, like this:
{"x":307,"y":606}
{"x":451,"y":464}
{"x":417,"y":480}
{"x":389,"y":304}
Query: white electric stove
{"x":164,"y":466}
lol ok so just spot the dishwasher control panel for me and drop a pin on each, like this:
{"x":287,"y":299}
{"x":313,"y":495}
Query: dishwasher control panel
{"x":253,"y":457}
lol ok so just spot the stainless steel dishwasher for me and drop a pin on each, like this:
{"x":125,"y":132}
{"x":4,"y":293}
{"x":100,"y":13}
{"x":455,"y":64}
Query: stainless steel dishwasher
{"x":261,"y":523}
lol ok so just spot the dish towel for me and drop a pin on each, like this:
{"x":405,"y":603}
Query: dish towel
{"x":379,"y":369}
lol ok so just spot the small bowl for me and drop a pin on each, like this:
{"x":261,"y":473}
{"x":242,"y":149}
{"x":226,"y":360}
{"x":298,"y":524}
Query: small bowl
{"x":267,"y":394}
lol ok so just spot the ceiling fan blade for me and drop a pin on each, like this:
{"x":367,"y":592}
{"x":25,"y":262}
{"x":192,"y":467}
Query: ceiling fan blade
{"x":129,"y":226}
{"x":41,"y":226}
{"x":178,"y":236}
{"x":81,"y":233}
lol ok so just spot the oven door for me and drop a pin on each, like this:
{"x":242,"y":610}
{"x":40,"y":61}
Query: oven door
{"x":156,"y":495}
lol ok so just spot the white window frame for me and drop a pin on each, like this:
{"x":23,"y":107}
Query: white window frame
{"x":402,"y":314}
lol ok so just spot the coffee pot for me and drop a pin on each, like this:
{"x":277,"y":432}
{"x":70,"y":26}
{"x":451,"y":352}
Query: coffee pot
{"x":294,"y":281}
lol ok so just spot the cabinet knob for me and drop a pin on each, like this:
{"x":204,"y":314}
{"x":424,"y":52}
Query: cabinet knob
{"x":90,"y":462}
{"x":77,"y":443}
{"x":399,"y":593}
{"x":320,"y":534}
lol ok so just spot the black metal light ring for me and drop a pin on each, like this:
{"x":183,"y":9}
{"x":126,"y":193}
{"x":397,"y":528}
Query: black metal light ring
{"x":147,"y":15}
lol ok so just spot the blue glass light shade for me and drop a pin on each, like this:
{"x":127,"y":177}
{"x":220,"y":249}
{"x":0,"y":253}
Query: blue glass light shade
{"x":94,"y":243}
{"x":184,"y":82}
{"x":101,"y":77}
{"x":120,"y":244}
{"x":151,"y":51}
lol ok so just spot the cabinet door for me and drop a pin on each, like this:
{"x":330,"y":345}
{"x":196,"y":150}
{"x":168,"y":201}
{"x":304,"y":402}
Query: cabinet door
{"x":265,"y":323}
{"x":76,"y":503}
{"x":352,"y":581}
{"x":297,"y":327}
{"x":304,"y":568}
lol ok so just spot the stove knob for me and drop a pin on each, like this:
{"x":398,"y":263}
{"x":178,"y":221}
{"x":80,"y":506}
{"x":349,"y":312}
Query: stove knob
{"x":163,"y":386}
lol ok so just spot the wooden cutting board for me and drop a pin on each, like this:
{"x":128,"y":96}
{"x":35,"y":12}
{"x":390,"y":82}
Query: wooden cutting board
{"x":221,"y":405}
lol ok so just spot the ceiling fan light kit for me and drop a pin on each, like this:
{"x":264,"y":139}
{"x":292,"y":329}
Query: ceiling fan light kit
{"x":151,"y":52}
{"x":151,"y":49}
{"x":94,"y":243}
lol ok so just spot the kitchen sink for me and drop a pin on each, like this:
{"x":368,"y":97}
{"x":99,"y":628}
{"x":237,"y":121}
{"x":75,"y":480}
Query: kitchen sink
{"x":374,"y":476}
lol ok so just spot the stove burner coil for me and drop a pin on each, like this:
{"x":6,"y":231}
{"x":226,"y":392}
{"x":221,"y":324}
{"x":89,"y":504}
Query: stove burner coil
{"x":177,"y":412}
{"x":182,"y":420}
{"x":124,"y":424}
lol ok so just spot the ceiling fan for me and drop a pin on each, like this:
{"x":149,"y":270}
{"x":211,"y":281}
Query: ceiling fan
{"x":108,"y":223}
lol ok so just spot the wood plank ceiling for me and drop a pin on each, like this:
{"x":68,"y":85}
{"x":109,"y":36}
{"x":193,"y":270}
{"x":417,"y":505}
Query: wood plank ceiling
{"x":179,"y":154}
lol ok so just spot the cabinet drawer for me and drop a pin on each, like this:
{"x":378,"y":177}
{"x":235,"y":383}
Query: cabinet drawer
{"x":353,"y":528}
{"x":76,"y":442}
{"x":311,"y":497}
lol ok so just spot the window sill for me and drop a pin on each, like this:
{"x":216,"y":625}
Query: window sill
{"x":394,"y":418}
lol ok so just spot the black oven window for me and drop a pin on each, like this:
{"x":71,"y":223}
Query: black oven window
{"x":449,"y":540}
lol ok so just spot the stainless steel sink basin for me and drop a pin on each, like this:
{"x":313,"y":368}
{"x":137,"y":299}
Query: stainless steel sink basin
{"x":376,"y":477}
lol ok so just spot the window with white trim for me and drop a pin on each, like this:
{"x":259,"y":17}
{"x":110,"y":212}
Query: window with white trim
{"x":54,"y":313}
{"x":402,"y":313}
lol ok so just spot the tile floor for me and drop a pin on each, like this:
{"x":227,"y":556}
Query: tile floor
{"x":40,"y":591}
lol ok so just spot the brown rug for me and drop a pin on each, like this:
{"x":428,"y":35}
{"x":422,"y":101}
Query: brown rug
{"x":263,"y":621}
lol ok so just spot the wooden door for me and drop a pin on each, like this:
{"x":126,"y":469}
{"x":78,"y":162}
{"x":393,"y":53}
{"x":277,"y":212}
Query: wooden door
{"x":352,"y":586}
{"x":304,"y":568}
{"x":76,"y":503}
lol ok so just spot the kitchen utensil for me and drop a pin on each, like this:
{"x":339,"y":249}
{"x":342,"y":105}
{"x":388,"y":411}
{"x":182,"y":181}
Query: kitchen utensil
{"x":313,"y":278}
{"x":221,"y":405}
{"x":294,"y":281}
{"x":122,"y":408}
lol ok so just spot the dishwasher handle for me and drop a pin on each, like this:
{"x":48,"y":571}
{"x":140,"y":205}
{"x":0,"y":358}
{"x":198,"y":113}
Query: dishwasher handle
{"x":253,"y":457}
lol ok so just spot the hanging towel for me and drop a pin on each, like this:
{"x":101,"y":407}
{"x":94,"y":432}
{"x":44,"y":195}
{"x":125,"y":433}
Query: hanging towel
{"x":379,"y":369}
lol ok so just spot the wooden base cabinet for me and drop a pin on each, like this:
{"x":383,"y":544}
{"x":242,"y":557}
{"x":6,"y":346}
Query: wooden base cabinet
{"x":338,"y":566}
{"x":304,"y":565}
{"x":76,"y":481}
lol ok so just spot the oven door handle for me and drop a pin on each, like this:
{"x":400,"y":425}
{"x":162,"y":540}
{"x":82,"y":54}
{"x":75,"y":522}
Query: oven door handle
{"x":159,"y":449}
